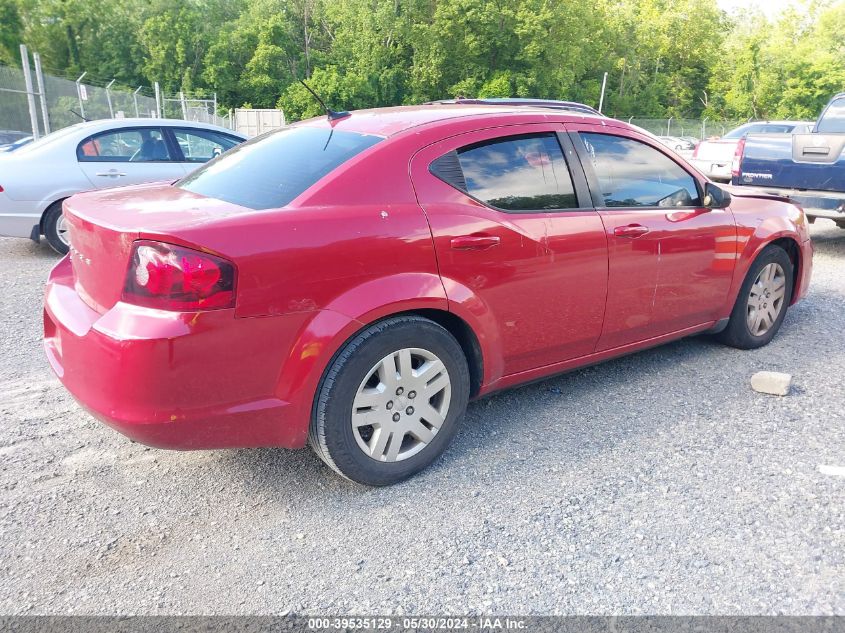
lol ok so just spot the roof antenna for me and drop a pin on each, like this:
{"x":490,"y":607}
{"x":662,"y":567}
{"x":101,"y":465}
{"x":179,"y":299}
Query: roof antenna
{"x":79,"y":115}
{"x":333,"y":116}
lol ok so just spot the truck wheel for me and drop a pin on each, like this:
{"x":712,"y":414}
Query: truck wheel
{"x":391,"y":401}
{"x":55,"y":230}
{"x":762,"y":301}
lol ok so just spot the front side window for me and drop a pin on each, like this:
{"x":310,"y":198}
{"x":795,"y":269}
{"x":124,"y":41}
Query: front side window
{"x":269,"y":171}
{"x":200,"y":146}
{"x":141,"y":145}
{"x":633,"y":174}
{"x":518,"y":173}
{"x":833,"y":119}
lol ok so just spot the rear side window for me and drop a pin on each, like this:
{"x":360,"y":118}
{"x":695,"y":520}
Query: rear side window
{"x":633,"y":174}
{"x":269,"y":171}
{"x":833,"y":119}
{"x":517,"y":173}
{"x":134,"y":145}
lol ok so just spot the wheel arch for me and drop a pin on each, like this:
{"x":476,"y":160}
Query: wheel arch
{"x":775,"y":231}
{"x":790,"y":245}
{"x":47,"y":209}
{"x":452,"y":323}
{"x":325,"y":333}
{"x":466,"y":338}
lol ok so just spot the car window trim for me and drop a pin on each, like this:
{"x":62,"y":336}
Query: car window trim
{"x":95,"y":159}
{"x":581,"y":195}
{"x":592,"y":177}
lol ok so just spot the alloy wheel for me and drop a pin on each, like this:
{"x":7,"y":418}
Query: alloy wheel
{"x":765,"y":300}
{"x":61,"y":230}
{"x":401,"y":404}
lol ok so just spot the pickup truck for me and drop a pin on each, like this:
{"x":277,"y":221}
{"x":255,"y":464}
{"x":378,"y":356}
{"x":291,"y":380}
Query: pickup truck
{"x":713,"y":156}
{"x":808,"y":169}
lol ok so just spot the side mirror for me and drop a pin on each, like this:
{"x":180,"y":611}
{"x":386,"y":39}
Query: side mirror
{"x":715,"y":197}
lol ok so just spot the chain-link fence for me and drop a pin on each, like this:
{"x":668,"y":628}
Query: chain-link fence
{"x":694,"y":128}
{"x":14,"y":102}
{"x":51,"y":102}
{"x":36,"y":103}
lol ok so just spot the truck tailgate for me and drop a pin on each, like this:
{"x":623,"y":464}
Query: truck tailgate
{"x":797,"y":161}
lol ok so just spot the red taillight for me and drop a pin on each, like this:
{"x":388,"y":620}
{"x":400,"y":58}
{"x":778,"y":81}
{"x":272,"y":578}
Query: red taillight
{"x":695,"y":150}
{"x":736,"y":164}
{"x":177,"y":278}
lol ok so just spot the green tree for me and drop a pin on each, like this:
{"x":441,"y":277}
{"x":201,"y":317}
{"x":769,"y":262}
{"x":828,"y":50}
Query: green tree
{"x":11,"y":28}
{"x":681,"y":58}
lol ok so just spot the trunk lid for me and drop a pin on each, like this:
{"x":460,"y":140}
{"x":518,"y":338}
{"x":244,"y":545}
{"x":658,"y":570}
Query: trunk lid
{"x":717,"y":151}
{"x":103,"y":225}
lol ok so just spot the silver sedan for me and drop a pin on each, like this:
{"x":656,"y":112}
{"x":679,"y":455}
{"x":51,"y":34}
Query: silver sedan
{"x":36,"y":178}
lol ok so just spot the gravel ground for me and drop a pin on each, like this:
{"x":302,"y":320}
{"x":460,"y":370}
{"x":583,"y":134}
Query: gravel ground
{"x":658,"y":483}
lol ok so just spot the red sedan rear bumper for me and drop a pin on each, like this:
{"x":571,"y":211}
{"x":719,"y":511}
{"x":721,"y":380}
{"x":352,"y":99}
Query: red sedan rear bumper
{"x":173,"y":380}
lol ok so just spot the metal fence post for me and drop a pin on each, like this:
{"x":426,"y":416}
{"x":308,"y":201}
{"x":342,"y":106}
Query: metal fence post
{"x":603,"y":86}
{"x":184,"y":105}
{"x":79,"y":94}
{"x":158,"y":100}
{"x":669,"y":126}
{"x":108,"y":98}
{"x":214,"y":113}
{"x":135,"y":101}
{"x":703,"y":128}
{"x":30,"y":95}
{"x":39,"y":79}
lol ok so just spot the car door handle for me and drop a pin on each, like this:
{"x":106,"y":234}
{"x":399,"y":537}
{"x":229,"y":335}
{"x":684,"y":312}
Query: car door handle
{"x":112,"y":172}
{"x":475,"y":242}
{"x":631,"y":230}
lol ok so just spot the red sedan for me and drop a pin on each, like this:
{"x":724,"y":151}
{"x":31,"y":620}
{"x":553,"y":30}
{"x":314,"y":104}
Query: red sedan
{"x":352,"y":282}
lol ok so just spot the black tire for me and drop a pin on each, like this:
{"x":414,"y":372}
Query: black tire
{"x":331,"y":432}
{"x":738,"y":334}
{"x":51,"y":221}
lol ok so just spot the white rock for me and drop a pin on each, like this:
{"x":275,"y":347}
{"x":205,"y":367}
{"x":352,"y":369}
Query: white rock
{"x":837,"y":471}
{"x":771,"y":382}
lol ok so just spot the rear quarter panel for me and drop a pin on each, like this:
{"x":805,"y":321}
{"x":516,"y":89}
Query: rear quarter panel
{"x":342,"y":256}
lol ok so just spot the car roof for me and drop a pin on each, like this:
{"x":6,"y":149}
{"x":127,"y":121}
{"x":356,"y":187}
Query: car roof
{"x":522,"y":101}
{"x":390,"y":121}
{"x":777,"y":123}
{"x":106,"y":124}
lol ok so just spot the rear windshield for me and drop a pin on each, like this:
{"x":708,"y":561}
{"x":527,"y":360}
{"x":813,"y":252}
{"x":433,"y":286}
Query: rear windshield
{"x":760,"y":128}
{"x":270,"y":171}
{"x":49,"y":139}
{"x":833,"y":119}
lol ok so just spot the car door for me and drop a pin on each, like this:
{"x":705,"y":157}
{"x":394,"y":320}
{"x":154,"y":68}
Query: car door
{"x":198,"y":146}
{"x":671,"y":259}
{"x":514,"y":226}
{"x":127,"y":156}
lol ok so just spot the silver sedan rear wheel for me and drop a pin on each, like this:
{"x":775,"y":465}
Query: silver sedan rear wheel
{"x":401,"y":404}
{"x":766,"y":299}
{"x":61,"y":230}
